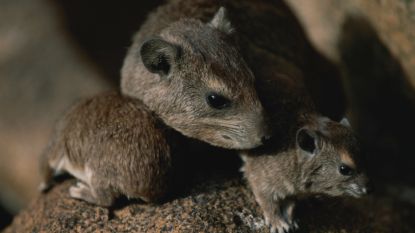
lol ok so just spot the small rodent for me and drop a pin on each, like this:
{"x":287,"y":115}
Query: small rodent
{"x":113,"y":145}
{"x":194,"y":78}
{"x":188,"y":78}
{"x":320,"y":157}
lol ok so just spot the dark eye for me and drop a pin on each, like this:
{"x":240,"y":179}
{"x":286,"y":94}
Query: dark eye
{"x":346,"y":170}
{"x":217,"y":101}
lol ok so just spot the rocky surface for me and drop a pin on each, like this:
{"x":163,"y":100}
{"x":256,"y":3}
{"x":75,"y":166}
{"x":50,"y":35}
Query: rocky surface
{"x":394,"y":20}
{"x":210,"y":207}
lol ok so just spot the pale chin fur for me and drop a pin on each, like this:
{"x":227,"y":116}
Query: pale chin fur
{"x":355,"y":191}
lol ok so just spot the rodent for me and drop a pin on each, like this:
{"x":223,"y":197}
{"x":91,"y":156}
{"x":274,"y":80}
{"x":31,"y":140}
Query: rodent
{"x":186,"y":79}
{"x":113,"y":145}
{"x":194,"y":78}
{"x":272,"y":43}
{"x":319,"y":156}
{"x":293,"y":81}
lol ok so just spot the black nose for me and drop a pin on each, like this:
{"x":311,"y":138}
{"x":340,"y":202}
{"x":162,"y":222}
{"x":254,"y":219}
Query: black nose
{"x":265,"y":138}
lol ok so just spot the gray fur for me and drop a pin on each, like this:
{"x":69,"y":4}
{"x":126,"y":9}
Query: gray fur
{"x":201,"y":59}
{"x":280,"y":175}
{"x":221,"y":22}
{"x":121,"y":144}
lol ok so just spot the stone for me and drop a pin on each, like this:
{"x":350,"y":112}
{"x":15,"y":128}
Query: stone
{"x":214,"y":206}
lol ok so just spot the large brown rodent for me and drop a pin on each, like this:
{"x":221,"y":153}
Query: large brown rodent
{"x":194,"y":78}
{"x":290,"y":76}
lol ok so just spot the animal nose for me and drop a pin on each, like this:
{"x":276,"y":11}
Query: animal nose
{"x":265,"y":138}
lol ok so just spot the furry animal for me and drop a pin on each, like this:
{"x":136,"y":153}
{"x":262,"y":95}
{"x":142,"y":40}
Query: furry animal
{"x":321,"y":157}
{"x":193,"y":77}
{"x":113,"y":145}
{"x":186,"y":79}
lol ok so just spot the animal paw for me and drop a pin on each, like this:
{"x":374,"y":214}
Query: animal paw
{"x":282,"y":226}
{"x":79,"y":191}
{"x":44,"y":187}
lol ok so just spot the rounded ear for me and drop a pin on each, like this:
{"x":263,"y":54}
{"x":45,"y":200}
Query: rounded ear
{"x":345,"y":122}
{"x":307,"y":141}
{"x":159,"y":56}
{"x":221,"y":22}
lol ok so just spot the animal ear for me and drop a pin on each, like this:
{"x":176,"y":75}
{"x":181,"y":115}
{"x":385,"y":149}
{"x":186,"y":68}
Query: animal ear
{"x":221,"y":22}
{"x":159,"y":56}
{"x":307,"y":141}
{"x":345,"y":122}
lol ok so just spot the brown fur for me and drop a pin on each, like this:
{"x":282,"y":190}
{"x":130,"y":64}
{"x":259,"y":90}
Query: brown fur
{"x":114,"y":146}
{"x":205,"y":58}
{"x":291,"y":78}
{"x":207,"y":61}
{"x":278,"y":175}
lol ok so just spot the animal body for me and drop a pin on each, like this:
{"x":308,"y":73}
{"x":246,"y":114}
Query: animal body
{"x":185,"y":79}
{"x":113,"y":145}
{"x":293,"y":82}
{"x":193,"y":76}
{"x":320,"y":157}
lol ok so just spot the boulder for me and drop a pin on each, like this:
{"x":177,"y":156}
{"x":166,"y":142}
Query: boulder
{"x":214,"y":206}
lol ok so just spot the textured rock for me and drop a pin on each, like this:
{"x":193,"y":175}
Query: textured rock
{"x":394,"y":20}
{"x":210,"y":207}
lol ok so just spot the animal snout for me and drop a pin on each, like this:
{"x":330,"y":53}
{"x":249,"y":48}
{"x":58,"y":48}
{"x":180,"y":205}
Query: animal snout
{"x":365,"y":186}
{"x":264,"y":139}
{"x":265,"y":131}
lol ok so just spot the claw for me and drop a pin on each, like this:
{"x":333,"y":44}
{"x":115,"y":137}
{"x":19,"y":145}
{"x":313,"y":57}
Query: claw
{"x":295,"y":225}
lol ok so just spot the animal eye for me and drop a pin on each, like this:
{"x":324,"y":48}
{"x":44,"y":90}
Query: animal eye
{"x":217,"y":101}
{"x":346,"y":170}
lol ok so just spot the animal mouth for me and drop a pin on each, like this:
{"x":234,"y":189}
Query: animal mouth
{"x":354,"y":193}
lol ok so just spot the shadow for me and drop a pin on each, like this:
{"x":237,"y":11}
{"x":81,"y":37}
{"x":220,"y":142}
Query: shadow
{"x":103,"y":29}
{"x":202,"y":166}
{"x":382,"y":102}
{"x":353,"y":215}
{"x":5,"y":218}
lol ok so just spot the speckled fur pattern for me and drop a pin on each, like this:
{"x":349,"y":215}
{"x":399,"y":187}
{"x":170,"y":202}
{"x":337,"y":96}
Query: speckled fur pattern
{"x":291,"y":78}
{"x":280,"y":175}
{"x":207,"y":62}
{"x":114,"y":146}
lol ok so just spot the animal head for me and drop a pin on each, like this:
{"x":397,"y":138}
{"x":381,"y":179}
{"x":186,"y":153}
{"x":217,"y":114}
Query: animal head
{"x":193,"y":77}
{"x":331,"y":160}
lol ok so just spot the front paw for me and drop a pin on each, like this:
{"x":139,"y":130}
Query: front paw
{"x":279,"y":225}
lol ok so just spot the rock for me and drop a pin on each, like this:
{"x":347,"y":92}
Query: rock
{"x":215,"y":206}
{"x":394,"y":20}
